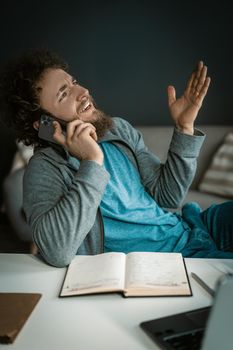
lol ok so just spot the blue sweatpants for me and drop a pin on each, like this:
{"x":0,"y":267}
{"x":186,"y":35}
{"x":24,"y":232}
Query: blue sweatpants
{"x":218,"y":220}
{"x":211,"y":233}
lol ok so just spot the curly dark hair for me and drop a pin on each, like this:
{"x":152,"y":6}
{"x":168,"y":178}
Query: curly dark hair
{"x":19,"y":101}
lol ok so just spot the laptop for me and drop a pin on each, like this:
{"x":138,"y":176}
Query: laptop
{"x":208,"y":328}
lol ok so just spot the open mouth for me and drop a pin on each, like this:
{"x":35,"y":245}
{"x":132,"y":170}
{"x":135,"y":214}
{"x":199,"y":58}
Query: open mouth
{"x":86,"y":106}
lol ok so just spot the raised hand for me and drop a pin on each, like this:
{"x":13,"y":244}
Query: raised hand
{"x":184,"y":110}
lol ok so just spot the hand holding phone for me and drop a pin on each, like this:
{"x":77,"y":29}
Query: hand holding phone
{"x":79,"y":139}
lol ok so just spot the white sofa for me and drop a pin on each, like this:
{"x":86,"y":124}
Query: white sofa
{"x":157,"y":138}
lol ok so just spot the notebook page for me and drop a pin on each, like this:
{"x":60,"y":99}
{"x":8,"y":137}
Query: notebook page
{"x":155,"y":270}
{"x":93,"y":273}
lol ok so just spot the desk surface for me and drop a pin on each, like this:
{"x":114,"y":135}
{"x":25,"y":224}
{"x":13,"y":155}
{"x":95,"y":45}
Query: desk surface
{"x":105,"y":321}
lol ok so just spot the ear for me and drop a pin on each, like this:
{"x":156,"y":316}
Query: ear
{"x":36,"y":125}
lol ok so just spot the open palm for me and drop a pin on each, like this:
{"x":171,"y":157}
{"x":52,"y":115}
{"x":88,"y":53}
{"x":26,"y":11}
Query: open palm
{"x":184,"y":110}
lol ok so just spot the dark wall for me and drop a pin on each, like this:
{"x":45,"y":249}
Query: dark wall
{"x":128,"y":52}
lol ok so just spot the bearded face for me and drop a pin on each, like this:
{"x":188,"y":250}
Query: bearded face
{"x":62,"y":97}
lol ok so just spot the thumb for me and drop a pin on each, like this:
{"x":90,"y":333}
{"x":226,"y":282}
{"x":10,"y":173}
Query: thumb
{"x":171,"y":92}
{"x":94,"y":135}
{"x":58,"y":135}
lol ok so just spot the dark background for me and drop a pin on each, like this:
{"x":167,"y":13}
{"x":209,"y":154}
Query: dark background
{"x":128,"y":52}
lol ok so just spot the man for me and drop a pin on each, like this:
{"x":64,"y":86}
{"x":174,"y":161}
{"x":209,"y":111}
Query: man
{"x":97,"y":188}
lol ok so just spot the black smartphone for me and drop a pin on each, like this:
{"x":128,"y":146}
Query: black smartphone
{"x":46,"y":128}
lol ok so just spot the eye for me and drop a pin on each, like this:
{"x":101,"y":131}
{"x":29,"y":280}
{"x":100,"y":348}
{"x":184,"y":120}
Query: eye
{"x":63,"y":95}
{"x":74,"y":81}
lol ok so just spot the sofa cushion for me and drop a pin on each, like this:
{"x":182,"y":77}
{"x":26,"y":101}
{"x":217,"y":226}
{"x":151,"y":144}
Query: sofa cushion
{"x":218,"y":178}
{"x":205,"y":200}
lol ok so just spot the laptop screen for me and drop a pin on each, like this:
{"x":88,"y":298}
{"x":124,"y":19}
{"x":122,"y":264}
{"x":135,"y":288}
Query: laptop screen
{"x":219,"y":331}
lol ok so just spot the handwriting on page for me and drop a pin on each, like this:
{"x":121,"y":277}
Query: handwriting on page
{"x":103,"y":271}
{"x":155,"y":270}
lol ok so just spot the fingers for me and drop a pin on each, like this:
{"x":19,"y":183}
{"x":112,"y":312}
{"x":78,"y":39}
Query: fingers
{"x":58,"y":135}
{"x":76,"y":127}
{"x":198,"y":73}
{"x":203,"y":91}
{"x":85,"y":128}
{"x":198,"y":83}
{"x":171,"y":92}
{"x":74,"y":130}
{"x":193,"y":81}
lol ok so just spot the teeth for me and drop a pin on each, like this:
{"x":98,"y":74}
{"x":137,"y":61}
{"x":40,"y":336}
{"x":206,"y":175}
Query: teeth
{"x":86,"y":105}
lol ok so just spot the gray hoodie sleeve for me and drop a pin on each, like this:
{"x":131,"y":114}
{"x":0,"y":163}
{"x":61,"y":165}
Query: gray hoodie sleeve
{"x":61,"y":216}
{"x":167,"y":183}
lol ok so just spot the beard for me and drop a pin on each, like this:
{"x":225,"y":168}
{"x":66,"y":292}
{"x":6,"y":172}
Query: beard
{"x":102,"y":122}
{"x":99,"y":119}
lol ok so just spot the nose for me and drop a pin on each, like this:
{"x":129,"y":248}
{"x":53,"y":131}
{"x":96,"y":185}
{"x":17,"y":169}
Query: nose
{"x":81,"y":92}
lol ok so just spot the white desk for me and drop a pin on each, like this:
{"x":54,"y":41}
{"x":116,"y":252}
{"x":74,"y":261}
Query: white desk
{"x":97,"y":322}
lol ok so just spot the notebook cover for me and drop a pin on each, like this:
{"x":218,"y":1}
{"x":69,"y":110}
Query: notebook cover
{"x":15,"y":309}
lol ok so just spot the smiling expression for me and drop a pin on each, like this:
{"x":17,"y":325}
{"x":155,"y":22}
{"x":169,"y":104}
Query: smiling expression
{"x":61,"y":95}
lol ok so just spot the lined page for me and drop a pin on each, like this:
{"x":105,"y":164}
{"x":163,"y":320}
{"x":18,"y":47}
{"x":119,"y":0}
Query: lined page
{"x":95,"y":273}
{"x":164,"y":272}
